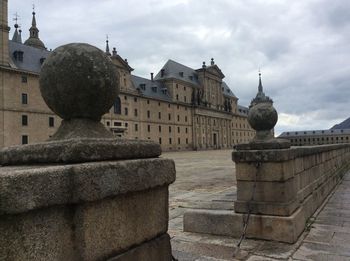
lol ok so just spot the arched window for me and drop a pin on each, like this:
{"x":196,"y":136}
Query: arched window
{"x":117,"y":106}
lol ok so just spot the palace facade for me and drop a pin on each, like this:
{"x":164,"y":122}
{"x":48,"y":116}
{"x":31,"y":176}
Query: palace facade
{"x":179,"y":107}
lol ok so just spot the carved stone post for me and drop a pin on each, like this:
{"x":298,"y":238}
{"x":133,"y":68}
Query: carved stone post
{"x":83,"y":195}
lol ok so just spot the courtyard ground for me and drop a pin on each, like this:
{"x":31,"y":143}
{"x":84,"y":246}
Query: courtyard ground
{"x":206,"y":180}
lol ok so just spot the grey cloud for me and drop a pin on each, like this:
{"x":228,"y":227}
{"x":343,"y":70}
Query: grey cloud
{"x":301,"y":46}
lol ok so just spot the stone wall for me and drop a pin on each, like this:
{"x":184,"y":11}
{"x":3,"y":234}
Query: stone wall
{"x":86,"y":211}
{"x":290,"y":185}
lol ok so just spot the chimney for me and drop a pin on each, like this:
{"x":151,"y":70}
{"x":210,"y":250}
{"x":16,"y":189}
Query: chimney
{"x":152,"y":76}
{"x":114,"y":52}
{"x":162,"y":72}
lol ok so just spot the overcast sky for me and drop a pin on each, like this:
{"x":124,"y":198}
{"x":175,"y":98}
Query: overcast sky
{"x":302,"y":47}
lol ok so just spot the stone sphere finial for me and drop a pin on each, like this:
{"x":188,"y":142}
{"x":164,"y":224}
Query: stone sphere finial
{"x":78,"y":81}
{"x":262,"y":116}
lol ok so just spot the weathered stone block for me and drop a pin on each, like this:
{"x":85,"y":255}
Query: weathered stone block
{"x":267,"y":171}
{"x":45,"y":234}
{"x":42,"y":186}
{"x":284,"y":229}
{"x":112,"y":225}
{"x":267,"y":208}
{"x":267,"y":191}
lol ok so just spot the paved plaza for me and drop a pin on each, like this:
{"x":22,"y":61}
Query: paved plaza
{"x":206,"y":180}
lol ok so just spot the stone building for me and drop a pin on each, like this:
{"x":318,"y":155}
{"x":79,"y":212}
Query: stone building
{"x":179,"y":107}
{"x":317,"y":137}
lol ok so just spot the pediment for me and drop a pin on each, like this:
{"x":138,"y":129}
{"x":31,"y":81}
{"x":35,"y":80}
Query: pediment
{"x":215,"y":70}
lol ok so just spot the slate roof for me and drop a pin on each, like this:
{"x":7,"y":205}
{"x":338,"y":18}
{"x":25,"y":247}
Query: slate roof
{"x":242,"y":110}
{"x":314,"y":133}
{"x":150,"y":88}
{"x":226,"y":90}
{"x":175,"y":70}
{"x":31,"y":57}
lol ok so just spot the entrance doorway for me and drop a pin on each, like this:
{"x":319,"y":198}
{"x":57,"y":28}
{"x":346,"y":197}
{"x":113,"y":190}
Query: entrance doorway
{"x":215,"y":140}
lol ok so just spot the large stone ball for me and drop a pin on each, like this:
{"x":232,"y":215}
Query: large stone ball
{"x":78,"y":80}
{"x":262,"y":116}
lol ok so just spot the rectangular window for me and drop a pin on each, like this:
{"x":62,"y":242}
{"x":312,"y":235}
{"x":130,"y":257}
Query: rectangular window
{"x":178,"y":117}
{"x":24,"y":79}
{"x":24,"y":139}
{"x":147,"y":101}
{"x":185,"y":98}
{"x":169,"y":140}
{"x":135,"y":99}
{"x":160,"y":128}
{"x":159,"y":115}
{"x":135,"y":112}
{"x":185,"y":118}
{"x":169,"y":129}
{"x":126,"y":124}
{"x":136,"y":127}
{"x":178,"y":141}
{"x":52,"y":122}
{"x":126,"y":110}
{"x":186,"y":140}
{"x":169,"y":116}
{"x":24,"y":120}
{"x":149,"y":128}
{"x":148,"y":114}
{"x":186,"y":130}
{"x":178,"y":129}
{"x":107,"y":123}
{"x":177,"y":97}
{"x":160,"y":140}
{"x":24,"y":98}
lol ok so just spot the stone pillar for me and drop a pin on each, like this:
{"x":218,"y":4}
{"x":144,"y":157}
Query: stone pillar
{"x":83,"y":195}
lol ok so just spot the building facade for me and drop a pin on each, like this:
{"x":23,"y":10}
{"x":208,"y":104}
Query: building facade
{"x":317,"y":137}
{"x":179,"y":107}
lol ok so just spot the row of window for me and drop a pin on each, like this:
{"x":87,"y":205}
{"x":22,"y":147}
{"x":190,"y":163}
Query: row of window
{"x":118,"y":103}
{"x":171,"y":141}
{"x":320,"y":139}
{"x":25,"y":121}
{"x":160,"y":128}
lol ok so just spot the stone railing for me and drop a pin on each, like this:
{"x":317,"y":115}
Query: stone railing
{"x":290,"y":184}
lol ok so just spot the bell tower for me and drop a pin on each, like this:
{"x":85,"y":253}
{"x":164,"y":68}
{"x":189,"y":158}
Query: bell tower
{"x":4,"y":34}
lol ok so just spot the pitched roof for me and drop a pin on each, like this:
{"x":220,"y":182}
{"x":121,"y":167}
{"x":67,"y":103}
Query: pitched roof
{"x":242,"y":110}
{"x":31,"y":57}
{"x":178,"y":71}
{"x":175,"y":70}
{"x":154,"y":89}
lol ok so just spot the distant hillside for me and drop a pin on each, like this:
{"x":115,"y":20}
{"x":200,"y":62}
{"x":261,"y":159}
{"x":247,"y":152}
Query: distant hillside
{"x":343,"y":125}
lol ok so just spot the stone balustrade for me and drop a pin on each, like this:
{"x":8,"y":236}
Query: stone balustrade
{"x":290,"y":185}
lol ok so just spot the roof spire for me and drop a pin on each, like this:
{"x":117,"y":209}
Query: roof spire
{"x":16,"y":37}
{"x":107,"y":46}
{"x":33,"y":39}
{"x":260,"y":87}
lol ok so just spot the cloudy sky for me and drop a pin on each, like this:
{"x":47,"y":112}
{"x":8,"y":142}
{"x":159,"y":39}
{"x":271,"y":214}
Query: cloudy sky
{"x":302,"y":47}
